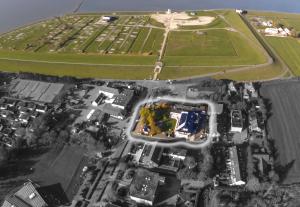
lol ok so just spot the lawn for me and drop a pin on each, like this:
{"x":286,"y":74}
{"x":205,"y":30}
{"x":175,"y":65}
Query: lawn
{"x":78,"y":45}
{"x":80,"y":71}
{"x":208,"y":43}
{"x":289,"y":50}
{"x":212,"y":48}
{"x":261,"y":73}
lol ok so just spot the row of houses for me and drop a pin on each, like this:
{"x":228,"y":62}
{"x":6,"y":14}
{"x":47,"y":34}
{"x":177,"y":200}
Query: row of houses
{"x":16,"y":115}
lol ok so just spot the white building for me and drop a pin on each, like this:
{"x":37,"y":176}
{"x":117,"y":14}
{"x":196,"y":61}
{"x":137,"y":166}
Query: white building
{"x":267,"y":23}
{"x":271,"y":31}
{"x":234,"y":168}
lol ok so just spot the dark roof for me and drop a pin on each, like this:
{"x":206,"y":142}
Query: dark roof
{"x":124,"y":98}
{"x":151,"y":153}
{"x":99,"y":98}
{"x":108,"y":108}
{"x":191,"y":121}
{"x":27,"y":196}
{"x":236,"y":118}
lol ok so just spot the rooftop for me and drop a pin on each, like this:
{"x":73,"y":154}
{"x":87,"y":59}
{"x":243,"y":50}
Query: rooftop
{"x":124,"y":98}
{"x":144,"y":185}
{"x":27,"y":196}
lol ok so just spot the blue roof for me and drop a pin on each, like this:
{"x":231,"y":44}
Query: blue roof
{"x":192,"y":121}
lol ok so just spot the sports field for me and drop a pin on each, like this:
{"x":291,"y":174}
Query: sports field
{"x":283,"y":126}
{"x":127,"y":48}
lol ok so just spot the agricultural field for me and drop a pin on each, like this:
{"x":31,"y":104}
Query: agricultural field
{"x":283,"y":126}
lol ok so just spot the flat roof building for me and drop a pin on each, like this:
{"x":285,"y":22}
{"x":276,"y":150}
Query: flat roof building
{"x":151,"y":155}
{"x":143,"y":187}
{"x":114,"y":111}
{"x":123,"y":99}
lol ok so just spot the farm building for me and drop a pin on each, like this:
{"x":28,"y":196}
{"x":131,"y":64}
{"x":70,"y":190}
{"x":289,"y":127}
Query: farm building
{"x":27,"y":195}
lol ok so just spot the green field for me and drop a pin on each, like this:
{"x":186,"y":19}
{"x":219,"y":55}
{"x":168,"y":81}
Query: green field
{"x":212,"y":48}
{"x":289,"y":50}
{"x":127,"y":48}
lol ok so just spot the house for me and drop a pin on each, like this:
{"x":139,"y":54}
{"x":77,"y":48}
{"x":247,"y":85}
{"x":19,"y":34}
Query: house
{"x":123,"y":99}
{"x":245,"y":94}
{"x":89,"y":115}
{"x":234,"y":168}
{"x":22,"y":109}
{"x":150,"y":155}
{"x":98,"y":116}
{"x":114,"y":112}
{"x":31,"y":106}
{"x":253,"y":122}
{"x":24,"y":118}
{"x":172,"y":159}
{"x":5,"y":113}
{"x":108,"y":18}
{"x":189,"y":123}
{"x":98,"y":100}
{"x":10,"y":102}
{"x":267,"y":23}
{"x":176,"y":153}
{"x":271,"y":31}
{"x":143,"y":187}
{"x":108,"y":91}
{"x":26,"y":196}
{"x":41,"y":108}
{"x":231,"y":87}
{"x":250,"y":88}
{"x":236,"y":121}
{"x":240,"y":11}
{"x":262,"y":162}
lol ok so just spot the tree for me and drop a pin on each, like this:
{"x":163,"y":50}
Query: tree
{"x":3,"y":155}
{"x":253,"y":184}
{"x":190,"y":162}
